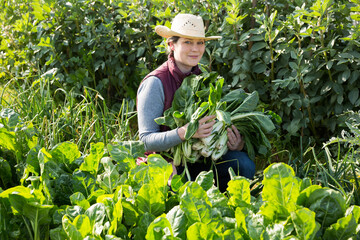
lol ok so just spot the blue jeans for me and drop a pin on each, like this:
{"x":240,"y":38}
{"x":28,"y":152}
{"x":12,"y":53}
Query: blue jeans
{"x":237,"y":160}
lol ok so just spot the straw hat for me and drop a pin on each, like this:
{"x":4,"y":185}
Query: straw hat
{"x":187,"y":26}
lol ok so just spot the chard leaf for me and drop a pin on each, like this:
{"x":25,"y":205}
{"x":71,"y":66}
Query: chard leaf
{"x":234,"y":95}
{"x":78,"y":229}
{"x":178,"y":221}
{"x":110,"y":178}
{"x":249,"y":104}
{"x":328,"y":204}
{"x":304,"y":223}
{"x":343,"y":229}
{"x":5,"y":172}
{"x":79,"y":199}
{"x":239,"y":190}
{"x":195,"y":203}
{"x":157,"y":172}
{"x":7,"y":139}
{"x":191,"y":129}
{"x":304,"y":195}
{"x":66,"y":152}
{"x":91,"y":162}
{"x":240,"y":216}
{"x":96,"y":214}
{"x":131,"y":213}
{"x":125,"y":153}
{"x":150,"y":199}
{"x":274,"y":231}
{"x":166,"y":120}
{"x":83,"y":182}
{"x":159,"y":229}
{"x":205,"y":179}
{"x":204,"y":231}
{"x":142,"y":226}
{"x":256,"y":224}
{"x":354,"y":210}
{"x":224,"y":116}
{"x":281,"y":188}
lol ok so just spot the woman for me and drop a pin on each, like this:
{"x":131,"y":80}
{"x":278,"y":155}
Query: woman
{"x":186,"y":42}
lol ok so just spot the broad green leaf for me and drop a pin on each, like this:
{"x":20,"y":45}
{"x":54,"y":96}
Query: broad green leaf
{"x":32,"y":161}
{"x":355,"y":211}
{"x":97,"y":215}
{"x":240,"y":216}
{"x":195,"y":204}
{"x":72,"y":212}
{"x":239,"y":190}
{"x":110,"y":178}
{"x":191,"y":129}
{"x":79,"y":199}
{"x":273,"y":212}
{"x":142,"y":226}
{"x":304,"y":195}
{"x":256,"y":225}
{"x":131,"y":213}
{"x":5,"y":172}
{"x":275,"y":231}
{"x":354,"y":95}
{"x":159,"y":228}
{"x":249,"y":104}
{"x":329,"y":205}
{"x":177,"y":181}
{"x":150,"y":199}
{"x":343,"y":229}
{"x":91,"y":162}
{"x":83,"y":182}
{"x":78,"y":229}
{"x":202,"y":231}
{"x":7,"y":139}
{"x":126,"y":153}
{"x":157,"y":172}
{"x":224,"y":116}
{"x":205,"y":179}
{"x":37,"y":213}
{"x":304,"y":223}
{"x":178,"y":221}
{"x":257,"y":46}
{"x":66,"y":152}
{"x":281,"y":188}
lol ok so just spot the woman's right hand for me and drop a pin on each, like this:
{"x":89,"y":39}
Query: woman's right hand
{"x":204,"y":130}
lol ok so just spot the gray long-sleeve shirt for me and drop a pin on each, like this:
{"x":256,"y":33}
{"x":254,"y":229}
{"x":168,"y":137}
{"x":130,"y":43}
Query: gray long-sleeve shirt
{"x":150,"y":105}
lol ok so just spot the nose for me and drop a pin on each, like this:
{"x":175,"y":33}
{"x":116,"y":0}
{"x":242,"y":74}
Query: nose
{"x":195,"y":47}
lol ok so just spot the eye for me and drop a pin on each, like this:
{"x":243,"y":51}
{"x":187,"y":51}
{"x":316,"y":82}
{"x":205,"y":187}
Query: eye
{"x":201,"y":43}
{"x":188,"y":42}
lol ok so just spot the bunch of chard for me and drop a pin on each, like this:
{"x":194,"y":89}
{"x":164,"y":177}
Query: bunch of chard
{"x":202,"y":95}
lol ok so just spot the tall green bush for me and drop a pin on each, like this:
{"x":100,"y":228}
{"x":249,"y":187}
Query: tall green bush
{"x":301,"y":56}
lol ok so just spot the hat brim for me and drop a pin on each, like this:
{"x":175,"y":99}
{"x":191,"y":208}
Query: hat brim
{"x":165,"y":32}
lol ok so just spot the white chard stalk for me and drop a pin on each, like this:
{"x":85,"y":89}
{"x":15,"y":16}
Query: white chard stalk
{"x":198,"y":146}
{"x":218,"y":153}
{"x":222,"y":140}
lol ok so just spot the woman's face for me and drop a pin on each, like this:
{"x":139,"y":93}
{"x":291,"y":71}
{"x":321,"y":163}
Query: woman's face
{"x":187,"y":53}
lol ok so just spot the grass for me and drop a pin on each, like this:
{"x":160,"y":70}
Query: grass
{"x":60,"y":115}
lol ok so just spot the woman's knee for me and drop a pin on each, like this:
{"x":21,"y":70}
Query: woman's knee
{"x":241,"y":164}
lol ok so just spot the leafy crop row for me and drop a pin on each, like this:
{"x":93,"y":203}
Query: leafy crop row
{"x":106,"y":195}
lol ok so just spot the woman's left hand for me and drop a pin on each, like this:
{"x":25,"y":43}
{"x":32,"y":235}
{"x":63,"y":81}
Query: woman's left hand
{"x":235,"y":141}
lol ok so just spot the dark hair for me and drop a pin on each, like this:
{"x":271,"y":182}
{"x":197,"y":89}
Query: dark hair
{"x":173,"y":39}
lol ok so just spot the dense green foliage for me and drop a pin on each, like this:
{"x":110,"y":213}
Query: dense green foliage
{"x":302,"y":56}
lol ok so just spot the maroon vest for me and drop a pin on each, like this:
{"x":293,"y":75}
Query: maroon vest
{"x":171,"y":78}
